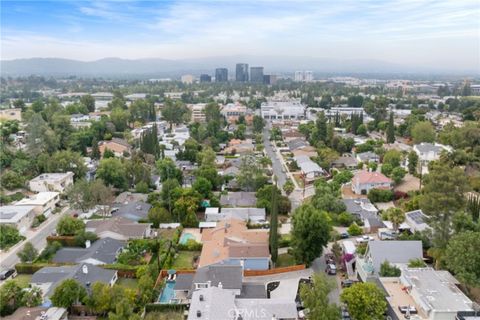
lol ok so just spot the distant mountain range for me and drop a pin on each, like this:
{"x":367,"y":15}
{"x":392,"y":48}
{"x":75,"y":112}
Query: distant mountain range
{"x":154,"y":67}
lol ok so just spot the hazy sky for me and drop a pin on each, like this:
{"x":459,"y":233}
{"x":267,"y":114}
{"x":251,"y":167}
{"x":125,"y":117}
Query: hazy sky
{"x":419,"y":32}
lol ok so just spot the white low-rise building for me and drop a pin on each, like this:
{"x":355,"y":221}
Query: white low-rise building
{"x":428,"y":152}
{"x":51,"y":182}
{"x":44,"y":202}
{"x":19,"y":217}
{"x":283,"y":110}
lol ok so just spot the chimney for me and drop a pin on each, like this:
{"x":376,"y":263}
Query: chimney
{"x":85,"y":269}
{"x":88,"y":244}
{"x":199,"y":313}
{"x":201,"y":297}
{"x":209,"y":283}
{"x":220,"y":285}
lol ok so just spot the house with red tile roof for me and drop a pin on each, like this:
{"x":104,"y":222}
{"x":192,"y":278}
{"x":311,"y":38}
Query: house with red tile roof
{"x":232,"y":243}
{"x":364,"y":181}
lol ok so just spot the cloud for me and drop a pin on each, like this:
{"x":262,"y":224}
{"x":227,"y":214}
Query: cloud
{"x":447,"y":31}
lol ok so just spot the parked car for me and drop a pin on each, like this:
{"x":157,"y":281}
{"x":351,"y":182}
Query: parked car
{"x":5,"y":274}
{"x":331,"y":269}
{"x":404,"y":309}
{"x":344,"y":235}
{"x":348,"y":283}
{"x":364,"y":239}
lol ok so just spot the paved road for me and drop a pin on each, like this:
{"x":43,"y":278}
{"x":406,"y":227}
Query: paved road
{"x":37,"y":238}
{"x":276,"y":164}
{"x":319,"y":265}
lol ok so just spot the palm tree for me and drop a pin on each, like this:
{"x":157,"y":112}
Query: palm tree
{"x":396,"y":216}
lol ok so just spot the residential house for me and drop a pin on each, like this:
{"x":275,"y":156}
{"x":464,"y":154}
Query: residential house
{"x":238,"y":199}
{"x":102,"y":251}
{"x":119,"y":147}
{"x":11,"y":114}
{"x":19,"y":217}
{"x":231,"y":242}
{"x":417,"y":220}
{"x":78,"y":117}
{"x":127,"y":197}
{"x":237,"y":146}
{"x":397,"y":253}
{"x":48,"y":278}
{"x":255,"y":215}
{"x":428,"y":152}
{"x":44,"y":202}
{"x":198,"y":112}
{"x":218,"y":303}
{"x":119,"y":228}
{"x":434,"y":294}
{"x":368,"y":156}
{"x":364,"y":210}
{"x":309,"y":169}
{"x":346,"y":162}
{"x":46,"y":182}
{"x":364,"y":181}
{"x":134,"y":211}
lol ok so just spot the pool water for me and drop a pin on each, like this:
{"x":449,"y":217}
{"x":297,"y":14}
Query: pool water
{"x":185,"y":237}
{"x":167,"y":292}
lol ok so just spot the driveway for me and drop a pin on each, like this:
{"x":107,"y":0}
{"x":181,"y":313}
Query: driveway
{"x":38,"y":238}
{"x":319,"y":265}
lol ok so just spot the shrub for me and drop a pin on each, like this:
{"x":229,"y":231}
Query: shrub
{"x":38,"y":220}
{"x":379,"y":195}
{"x":416,"y":263}
{"x":284,"y":241}
{"x":345,"y":219}
{"x":388,"y":270}
{"x":50,"y":251}
{"x":354,"y":230}
{"x":9,"y":236}
{"x":191,"y":245}
{"x":81,"y":238}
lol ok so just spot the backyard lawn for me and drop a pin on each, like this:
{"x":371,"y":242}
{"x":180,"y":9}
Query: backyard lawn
{"x":285,"y":260}
{"x":184,"y":259}
{"x":127,"y":283}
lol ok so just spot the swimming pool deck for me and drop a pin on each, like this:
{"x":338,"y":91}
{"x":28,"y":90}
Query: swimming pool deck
{"x":195,"y":232}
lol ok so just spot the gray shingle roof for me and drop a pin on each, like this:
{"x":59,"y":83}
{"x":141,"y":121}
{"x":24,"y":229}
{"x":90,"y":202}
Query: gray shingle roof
{"x":230,"y":276}
{"x":394,"y":252}
{"x":104,"y":250}
{"x":184,"y":281}
{"x":134,"y":211}
{"x":55,"y":275}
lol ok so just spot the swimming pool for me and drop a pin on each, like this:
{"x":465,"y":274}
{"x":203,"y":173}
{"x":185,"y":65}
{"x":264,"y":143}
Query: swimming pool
{"x":167,"y":292}
{"x":185,"y":237}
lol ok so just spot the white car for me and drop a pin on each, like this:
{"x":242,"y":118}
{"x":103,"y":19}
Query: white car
{"x":364,"y":239}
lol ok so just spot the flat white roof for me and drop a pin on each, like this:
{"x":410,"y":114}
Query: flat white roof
{"x":13,"y":214}
{"x":40,"y":198}
{"x":207,"y":224}
{"x":349,"y":247}
{"x":57,"y":176}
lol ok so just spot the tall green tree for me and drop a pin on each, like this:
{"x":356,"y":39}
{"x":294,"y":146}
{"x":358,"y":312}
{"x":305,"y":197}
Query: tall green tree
{"x":423,"y":132}
{"x":28,"y":253}
{"x":40,"y":137}
{"x":412,"y":162}
{"x":258,"y":124}
{"x":315,"y":298}
{"x":68,"y":293}
{"x":364,"y":301}
{"x":113,"y":172}
{"x":462,"y":257}
{"x":320,"y":133}
{"x":391,"y":129}
{"x":443,"y":196}
{"x":310,"y":233}
{"x":89,"y":102}
{"x":70,"y":226}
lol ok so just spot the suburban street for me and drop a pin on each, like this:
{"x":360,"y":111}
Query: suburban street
{"x":276,"y":164}
{"x":38,"y":238}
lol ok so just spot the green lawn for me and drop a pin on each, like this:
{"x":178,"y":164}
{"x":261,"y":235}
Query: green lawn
{"x":184,"y":260}
{"x":285,"y":260}
{"x":23,"y":280}
{"x":127,"y":283}
{"x":164,"y":315}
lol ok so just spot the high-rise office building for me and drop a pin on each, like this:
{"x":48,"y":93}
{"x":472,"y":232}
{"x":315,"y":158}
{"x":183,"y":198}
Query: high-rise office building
{"x":256,"y":74}
{"x":205,"y":78}
{"x":221,"y":75}
{"x":241,"y":72}
{"x":304,"y":76}
{"x":270,"y":79}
